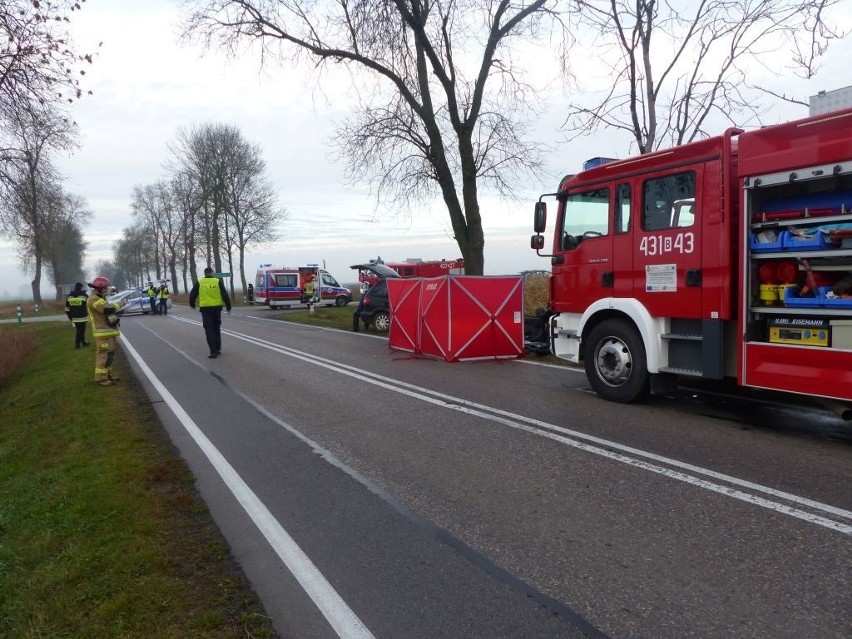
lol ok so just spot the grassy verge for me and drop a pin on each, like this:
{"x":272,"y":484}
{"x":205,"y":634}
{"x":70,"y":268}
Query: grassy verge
{"x":327,"y":316}
{"x":101,"y":531}
{"x":9,"y":310}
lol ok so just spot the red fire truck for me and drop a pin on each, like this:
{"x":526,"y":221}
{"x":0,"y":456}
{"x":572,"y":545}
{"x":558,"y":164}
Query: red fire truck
{"x":724,"y":259}
{"x":415,"y":268}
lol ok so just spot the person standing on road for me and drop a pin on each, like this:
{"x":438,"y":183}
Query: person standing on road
{"x":105,"y":321}
{"x":210,"y":293}
{"x":78,"y":314}
{"x":356,"y":317}
{"x":152,"y":296}
{"x":163,"y":296}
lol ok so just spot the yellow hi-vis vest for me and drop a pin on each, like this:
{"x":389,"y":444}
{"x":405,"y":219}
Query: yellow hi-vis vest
{"x":209,"y":293}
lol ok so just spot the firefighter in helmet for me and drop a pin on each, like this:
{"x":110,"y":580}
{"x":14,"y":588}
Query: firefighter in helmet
{"x":105,"y":322}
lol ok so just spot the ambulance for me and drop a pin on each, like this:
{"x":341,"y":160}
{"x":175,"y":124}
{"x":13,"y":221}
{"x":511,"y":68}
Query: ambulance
{"x":282,"y":287}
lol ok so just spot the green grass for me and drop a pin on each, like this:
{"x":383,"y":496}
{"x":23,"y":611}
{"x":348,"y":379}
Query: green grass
{"x":9,"y":310}
{"x":327,"y":316}
{"x":101,"y":531}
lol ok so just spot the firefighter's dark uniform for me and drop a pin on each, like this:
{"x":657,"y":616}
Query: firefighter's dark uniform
{"x":105,"y":321}
{"x":211,"y":295}
{"x":75,"y":309}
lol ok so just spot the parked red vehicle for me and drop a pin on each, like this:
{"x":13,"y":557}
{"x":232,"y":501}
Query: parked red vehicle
{"x":413,"y":268}
{"x":724,"y":259}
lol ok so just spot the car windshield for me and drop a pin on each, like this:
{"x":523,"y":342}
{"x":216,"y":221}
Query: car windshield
{"x":122,"y":295}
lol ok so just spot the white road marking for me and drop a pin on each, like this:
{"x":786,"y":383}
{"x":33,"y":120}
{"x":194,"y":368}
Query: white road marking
{"x":626,"y":454}
{"x":344,"y":621}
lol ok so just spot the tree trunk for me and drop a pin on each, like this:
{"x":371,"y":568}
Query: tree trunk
{"x":173,"y":272}
{"x":242,"y":254}
{"x":36,"y":282}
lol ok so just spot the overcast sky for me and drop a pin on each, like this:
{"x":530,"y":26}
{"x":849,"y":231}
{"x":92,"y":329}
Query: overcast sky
{"x":147,"y":86}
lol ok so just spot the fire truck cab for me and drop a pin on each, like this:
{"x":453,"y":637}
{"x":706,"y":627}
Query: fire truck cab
{"x":683,"y":264}
{"x":281,"y":287}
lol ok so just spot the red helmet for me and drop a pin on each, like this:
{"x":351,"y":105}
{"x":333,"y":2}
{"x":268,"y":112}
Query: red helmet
{"x":99,"y":282}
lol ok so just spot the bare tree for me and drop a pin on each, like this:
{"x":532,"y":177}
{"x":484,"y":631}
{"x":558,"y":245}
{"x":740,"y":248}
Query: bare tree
{"x":131,"y":265}
{"x":188,"y":200}
{"x":155,"y":208}
{"x":201,"y":154}
{"x":64,"y":246}
{"x":253,"y":214}
{"x":26,"y":208}
{"x":38,"y":67}
{"x":444,"y":92}
{"x":672,"y":68}
{"x":220,"y":184}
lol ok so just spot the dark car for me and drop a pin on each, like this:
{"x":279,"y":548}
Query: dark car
{"x":375,"y":309}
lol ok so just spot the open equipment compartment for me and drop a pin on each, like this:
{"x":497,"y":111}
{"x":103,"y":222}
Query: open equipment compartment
{"x":798,"y":336}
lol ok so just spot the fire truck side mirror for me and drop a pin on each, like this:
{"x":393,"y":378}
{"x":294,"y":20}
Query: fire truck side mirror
{"x":537,"y":242}
{"x":540,"y":217}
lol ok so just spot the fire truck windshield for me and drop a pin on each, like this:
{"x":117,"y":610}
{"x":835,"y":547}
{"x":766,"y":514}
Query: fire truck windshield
{"x":585,"y":215}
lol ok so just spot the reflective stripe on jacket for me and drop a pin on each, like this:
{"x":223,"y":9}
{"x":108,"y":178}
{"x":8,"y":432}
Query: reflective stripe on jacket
{"x":75,"y":307}
{"x":99,"y":313}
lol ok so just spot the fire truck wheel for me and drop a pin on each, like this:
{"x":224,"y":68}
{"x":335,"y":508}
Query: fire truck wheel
{"x":381,"y":321}
{"x":615,"y":362}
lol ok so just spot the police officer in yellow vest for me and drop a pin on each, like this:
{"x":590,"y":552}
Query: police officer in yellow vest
{"x":105,"y":321}
{"x":163,"y":297}
{"x":152,"y":296}
{"x":210,"y":294}
{"x":78,"y":314}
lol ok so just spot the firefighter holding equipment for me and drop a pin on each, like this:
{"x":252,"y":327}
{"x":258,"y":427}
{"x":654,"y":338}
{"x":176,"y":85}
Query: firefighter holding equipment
{"x":105,"y":322}
{"x":210,"y":294}
{"x":78,"y":314}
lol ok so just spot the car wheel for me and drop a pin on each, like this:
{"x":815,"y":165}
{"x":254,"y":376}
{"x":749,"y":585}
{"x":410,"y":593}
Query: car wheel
{"x":341,"y":300}
{"x":615,"y":362}
{"x":381,"y":321}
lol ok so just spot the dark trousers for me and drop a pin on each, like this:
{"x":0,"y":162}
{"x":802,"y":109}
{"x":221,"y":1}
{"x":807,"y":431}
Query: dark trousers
{"x":80,"y":337}
{"x":211,"y":319}
{"x":163,"y":308}
{"x":153,"y":304}
{"x":356,"y":317}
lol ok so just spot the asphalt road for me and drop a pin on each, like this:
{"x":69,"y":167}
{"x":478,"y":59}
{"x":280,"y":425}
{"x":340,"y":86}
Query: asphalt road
{"x":369,"y":493}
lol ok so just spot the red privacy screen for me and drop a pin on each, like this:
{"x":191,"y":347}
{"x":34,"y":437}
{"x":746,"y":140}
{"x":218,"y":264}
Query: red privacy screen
{"x":458,"y":317}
